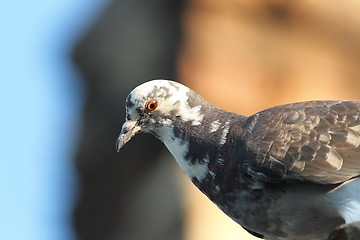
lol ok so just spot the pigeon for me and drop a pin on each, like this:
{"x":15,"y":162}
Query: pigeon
{"x":287,"y":172}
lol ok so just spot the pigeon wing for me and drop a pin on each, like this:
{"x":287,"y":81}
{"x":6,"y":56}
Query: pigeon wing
{"x":315,"y":141}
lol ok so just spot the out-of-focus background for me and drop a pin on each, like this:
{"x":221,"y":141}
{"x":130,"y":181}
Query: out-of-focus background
{"x":41,"y":100}
{"x":67,"y":66}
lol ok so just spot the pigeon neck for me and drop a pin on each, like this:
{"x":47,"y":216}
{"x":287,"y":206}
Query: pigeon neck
{"x":200,"y":149}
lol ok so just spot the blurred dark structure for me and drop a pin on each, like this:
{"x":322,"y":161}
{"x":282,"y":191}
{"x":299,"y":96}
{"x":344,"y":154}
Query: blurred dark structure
{"x":132,"y":194}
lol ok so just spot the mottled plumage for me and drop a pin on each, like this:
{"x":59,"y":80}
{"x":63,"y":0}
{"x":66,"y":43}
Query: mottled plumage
{"x":316,"y":141}
{"x":288,"y":172}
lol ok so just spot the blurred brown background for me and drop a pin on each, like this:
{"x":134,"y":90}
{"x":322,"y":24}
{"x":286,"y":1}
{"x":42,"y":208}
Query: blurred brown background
{"x":240,"y":55}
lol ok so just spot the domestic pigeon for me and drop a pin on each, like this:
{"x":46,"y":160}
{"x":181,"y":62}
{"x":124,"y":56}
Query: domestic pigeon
{"x":287,"y":172}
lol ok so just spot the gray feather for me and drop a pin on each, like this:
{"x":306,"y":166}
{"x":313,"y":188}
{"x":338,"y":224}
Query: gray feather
{"x":316,"y":141}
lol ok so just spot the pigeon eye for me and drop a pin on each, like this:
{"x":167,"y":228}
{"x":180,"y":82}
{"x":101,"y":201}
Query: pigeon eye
{"x":151,"y":105}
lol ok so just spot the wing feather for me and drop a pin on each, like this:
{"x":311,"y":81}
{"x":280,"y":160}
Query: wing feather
{"x":316,"y":141}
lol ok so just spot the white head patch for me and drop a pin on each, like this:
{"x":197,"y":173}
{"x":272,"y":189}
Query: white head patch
{"x":172,"y":98}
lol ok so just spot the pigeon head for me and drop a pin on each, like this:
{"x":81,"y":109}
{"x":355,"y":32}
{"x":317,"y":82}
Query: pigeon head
{"x":157,"y":105}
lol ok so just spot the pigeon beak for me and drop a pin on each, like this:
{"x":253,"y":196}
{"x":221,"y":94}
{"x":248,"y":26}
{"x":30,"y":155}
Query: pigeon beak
{"x":128,"y":130}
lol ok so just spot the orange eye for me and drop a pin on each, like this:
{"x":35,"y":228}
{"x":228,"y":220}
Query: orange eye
{"x":151,"y":105}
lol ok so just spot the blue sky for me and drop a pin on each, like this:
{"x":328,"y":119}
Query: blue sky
{"x":40,"y":103}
